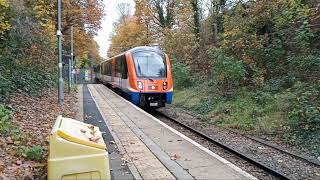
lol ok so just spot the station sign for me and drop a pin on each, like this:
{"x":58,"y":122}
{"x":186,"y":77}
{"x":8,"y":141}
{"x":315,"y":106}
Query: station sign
{"x":87,"y":75}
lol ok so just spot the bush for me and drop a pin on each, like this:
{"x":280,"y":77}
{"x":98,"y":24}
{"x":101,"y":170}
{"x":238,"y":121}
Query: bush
{"x":305,"y":107}
{"x":279,"y":84}
{"x":227,"y":69}
{"x":34,"y":153}
{"x":7,"y":128}
{"x":29,"y":79}
{"x":305,"y":67}
{"x":26,"y":54}
{"x":181,"y":75}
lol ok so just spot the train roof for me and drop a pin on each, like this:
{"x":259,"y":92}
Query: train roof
{"x":145,"y":48}
{"x":137,"y":49}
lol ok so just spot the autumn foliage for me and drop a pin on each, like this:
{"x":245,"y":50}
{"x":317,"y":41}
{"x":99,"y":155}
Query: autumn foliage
{"x":252,"y":65}
{"x":28,"y":40}
{"x":28,"y":71}
{"x":128,"y":36}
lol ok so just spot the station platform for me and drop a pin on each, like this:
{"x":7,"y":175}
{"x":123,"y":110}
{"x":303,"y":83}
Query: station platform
{"x":146,"y":148}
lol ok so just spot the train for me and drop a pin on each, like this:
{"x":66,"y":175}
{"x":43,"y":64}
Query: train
{"x":143,"y":74}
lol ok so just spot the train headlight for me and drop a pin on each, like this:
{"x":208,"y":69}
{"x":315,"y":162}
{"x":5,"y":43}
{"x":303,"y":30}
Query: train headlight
{"x":140,"y":85}
{"x":165,"y":85}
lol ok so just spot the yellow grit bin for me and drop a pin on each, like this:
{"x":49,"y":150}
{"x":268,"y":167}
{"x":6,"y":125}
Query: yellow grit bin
{"x":77,"y":151}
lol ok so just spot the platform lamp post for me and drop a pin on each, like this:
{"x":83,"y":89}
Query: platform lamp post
{"x":59,"y":35}
{"x":70,"y":63}
{"x":72,"y":53}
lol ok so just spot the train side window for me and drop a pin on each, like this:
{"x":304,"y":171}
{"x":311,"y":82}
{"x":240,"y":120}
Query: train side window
{"x":106,"y":69}
{"x":118,"y":67}
{"x":99,"y":68}
{"x":110,"y":68}
{"x":124,"y":67}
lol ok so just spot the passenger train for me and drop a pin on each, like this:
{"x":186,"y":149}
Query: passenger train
{"x":142,"y":73}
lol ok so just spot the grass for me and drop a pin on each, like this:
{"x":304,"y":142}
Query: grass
{"x":7,"y":128}
{"x":34,"y":153}
{"x":74,"y":88}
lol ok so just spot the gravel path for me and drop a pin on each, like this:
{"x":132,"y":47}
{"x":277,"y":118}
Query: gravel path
{"x":292,"y":167}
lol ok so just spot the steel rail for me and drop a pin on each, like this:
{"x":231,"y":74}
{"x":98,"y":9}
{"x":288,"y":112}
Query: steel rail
{"x":233,"y":151}
{"x":276,"y":147}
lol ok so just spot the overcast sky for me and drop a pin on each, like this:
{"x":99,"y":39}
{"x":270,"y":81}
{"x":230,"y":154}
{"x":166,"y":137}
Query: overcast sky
{"x":111,"y":15}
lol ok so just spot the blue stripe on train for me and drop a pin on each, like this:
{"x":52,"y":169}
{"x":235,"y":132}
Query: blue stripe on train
{"x":169,"y":97}
{"x":135,"y":97}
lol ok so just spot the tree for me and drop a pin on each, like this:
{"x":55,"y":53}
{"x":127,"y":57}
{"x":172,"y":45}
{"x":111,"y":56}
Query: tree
{"x":28,"y":40}
{"x":143,"y":13}
{"x":123,"y":11}
{"x":4,"y":18}
{"x":196,"y":18}
{"x":82,"y":14}
{"x":127,"y":35}
{"x":164,"y":12}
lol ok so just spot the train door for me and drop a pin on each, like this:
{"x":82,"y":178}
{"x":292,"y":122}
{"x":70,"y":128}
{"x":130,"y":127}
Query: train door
{"x":119,"y":71}
{"x":117,"y":77}
{"x":113,"y":72}
{"x":124,"y":74}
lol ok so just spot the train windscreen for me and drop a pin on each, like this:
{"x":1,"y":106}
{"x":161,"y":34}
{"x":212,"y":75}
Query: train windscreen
{"x":150,"y":64}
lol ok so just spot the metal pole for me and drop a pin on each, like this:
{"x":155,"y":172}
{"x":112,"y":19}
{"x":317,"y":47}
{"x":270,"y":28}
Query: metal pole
{"x":72,"y":53}
{"x":69,"y":75}
{"x":76,"y":75}
{"x":70,"y":64}
{"x":59,"y":35}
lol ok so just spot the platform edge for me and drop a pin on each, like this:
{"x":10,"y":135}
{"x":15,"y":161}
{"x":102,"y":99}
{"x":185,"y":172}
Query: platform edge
{"x":131,"y":166}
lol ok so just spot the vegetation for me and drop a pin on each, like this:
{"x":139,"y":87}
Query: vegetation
{"x":28,"y":41}
{"x":33,"y":153}
{"x":28,"y":68}
{"x":250,"y":65}
{"x":6,"y":127}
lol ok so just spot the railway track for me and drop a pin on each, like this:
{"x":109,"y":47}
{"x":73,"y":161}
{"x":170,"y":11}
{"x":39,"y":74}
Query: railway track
{"x":236,"y":152}
{"x":261,"y":141}
{"x":297,"y":156}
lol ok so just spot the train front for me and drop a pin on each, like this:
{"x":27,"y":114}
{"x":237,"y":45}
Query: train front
{"x":151,"y":77}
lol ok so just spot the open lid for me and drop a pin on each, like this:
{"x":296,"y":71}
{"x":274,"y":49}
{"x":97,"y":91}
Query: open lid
{"x":78,"y":132}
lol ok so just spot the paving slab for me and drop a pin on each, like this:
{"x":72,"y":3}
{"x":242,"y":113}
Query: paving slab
{"x":92,"y":116}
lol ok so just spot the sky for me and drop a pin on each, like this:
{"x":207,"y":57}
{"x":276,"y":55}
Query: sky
{"x":111,"y":15}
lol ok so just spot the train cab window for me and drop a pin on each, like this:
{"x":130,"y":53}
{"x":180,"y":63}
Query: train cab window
{"x":150,"y":64}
